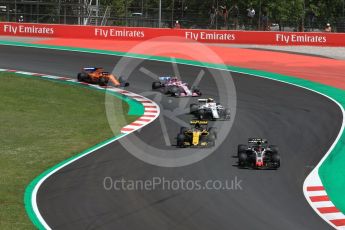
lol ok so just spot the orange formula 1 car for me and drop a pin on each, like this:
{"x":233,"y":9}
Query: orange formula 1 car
{"x":98,"y":76}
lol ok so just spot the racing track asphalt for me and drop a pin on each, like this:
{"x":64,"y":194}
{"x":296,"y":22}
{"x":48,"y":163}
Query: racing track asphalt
{"x":302,"y":123}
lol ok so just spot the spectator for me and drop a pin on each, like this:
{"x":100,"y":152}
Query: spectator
{"x":328,"y":28}
{"x":225,"y":14}
{"x":264,"y":22}
{"x":213,"y":14}
{"x":250,"y":15}
{"x":177,"y":25}
{"x":311,"y":19}
{"x":234,"y":14}
{"x":21,"y":18}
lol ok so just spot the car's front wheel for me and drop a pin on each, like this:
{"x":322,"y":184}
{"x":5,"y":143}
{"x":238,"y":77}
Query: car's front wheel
{"x":202,"y":114}
{"x":175,"y":91}
{"x":102,"y":81}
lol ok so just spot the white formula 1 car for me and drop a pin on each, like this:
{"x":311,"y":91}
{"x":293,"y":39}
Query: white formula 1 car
{"x":210,"y":110}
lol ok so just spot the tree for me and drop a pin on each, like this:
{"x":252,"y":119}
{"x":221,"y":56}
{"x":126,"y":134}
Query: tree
{"x":285,"y":12}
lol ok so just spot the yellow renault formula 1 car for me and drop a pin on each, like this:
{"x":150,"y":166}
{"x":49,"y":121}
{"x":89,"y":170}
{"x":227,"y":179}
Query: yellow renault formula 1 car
{"x":199,"y":135}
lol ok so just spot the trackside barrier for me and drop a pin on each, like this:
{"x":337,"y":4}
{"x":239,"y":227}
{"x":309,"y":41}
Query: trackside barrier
{"x":142,"y":34}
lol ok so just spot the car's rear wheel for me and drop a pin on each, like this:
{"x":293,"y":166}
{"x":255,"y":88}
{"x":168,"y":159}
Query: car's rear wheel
{"x":227,"y":114}
{"x":274,"y":148}
{"x":211,"y":139}
{"x":203,"y":138}
{"x":241,"y":149}
{"x":276,"y":160}
{"x":79,"y":77}
{"x":180,"y":140}
{"x":183,"y":130}
{"x":82,"y":77}
{"x":242,"y":159}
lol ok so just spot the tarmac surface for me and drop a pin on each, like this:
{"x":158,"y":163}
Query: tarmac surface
{"x":302,"y":123}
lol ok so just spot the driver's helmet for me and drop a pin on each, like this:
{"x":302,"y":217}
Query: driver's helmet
{"x":174,"y":79}
{"x":197,"y":126}
{"x":209,"y":100}
{"x":258,"y":147}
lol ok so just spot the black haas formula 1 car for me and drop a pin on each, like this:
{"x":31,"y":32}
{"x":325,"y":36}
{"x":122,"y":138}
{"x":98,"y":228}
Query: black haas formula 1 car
{"x":94,"y":75}
{"x":175,"y":87}
{"x":258,"y":155}
{"x":198,"y":136}
{"x":210,"y":110}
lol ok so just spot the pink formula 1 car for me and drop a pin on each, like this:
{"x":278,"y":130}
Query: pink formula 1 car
{"x":175,"y":87}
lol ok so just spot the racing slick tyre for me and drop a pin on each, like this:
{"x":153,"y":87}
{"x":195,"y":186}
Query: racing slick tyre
{"x":242,"y":159}
{"x":180,"y":140}
{"x":227,"y":114}
{"x":194,"y":108}
{"x":211,"y":139}
{"x":274,"y":148}
{"x":156,"y":85}
{"x":213,"y":131}
{"x":276,"y":160}
{"x":102,"y":81}
{"x":82,"y":76}
{"x":202,"y":114}
{"x":167,"y":90}
{"x":175,"y":91}
{"x":241,"y":149}
{"x":183,"y":130}
{"x":123,"y":82}
{"x":79,"y":77}
{"x":203,"y":138}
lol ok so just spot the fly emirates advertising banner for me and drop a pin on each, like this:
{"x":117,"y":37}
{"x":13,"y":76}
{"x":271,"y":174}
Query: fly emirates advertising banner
{"x":142,"y":33}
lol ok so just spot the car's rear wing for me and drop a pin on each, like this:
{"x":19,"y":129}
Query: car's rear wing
{"x":257,"y":140}
{"x":202,"y":100}
{"x":92,"y":68}
{"x":165,"y":78}
{"x":194,"y":122}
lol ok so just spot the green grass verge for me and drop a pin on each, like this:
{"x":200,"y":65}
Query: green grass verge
{"x":42,"y":124}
